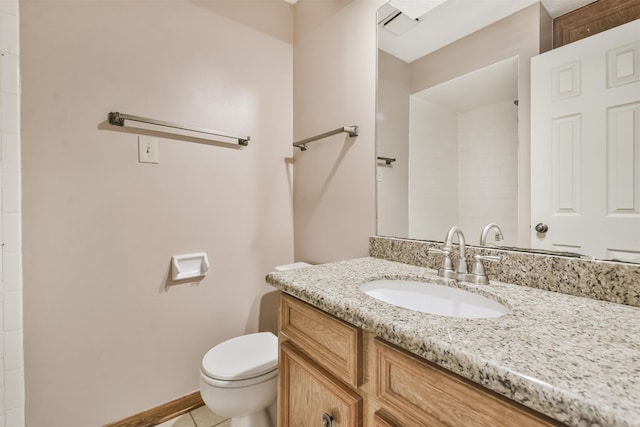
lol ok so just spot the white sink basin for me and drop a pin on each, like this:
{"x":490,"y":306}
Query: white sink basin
{"x":434,"y":299}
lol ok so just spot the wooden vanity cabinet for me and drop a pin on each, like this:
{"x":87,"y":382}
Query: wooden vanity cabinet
{"x":416,"y":392}
{"x":381,"y":419}
{"x":309,"y":394}
{"x":320,"y":368}
{"x":329,"y":367}
{"x":330,"y":342}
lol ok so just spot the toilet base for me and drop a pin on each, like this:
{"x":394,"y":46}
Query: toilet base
{"x":257,"y":419}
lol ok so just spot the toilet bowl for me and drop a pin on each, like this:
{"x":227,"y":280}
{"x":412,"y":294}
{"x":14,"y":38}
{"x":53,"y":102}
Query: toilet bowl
{"x":238,"y":379}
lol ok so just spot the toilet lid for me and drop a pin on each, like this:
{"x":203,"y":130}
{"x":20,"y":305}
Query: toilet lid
{"x":242,"y":357}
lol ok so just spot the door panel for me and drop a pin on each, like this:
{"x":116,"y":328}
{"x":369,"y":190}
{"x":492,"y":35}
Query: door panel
{"x":585,"y":146}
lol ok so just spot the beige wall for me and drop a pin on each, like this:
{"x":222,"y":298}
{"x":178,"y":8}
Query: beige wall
{"x":104,"y":336}
{"x":524,"y":34}
{"x":518,"y":34}
{"x":334,"y":85}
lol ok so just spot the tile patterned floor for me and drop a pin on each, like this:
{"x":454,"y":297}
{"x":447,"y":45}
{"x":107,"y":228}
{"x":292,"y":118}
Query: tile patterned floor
{"x":201,"y":417}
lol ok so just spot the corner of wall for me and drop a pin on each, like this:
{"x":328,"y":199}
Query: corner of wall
{"x":334,"y":85}
{"x":546,"y":30}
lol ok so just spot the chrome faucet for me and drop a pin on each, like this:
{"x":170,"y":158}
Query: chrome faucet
{"x":461,"y":267}
{"x":447,"y":270}
{"x":485,"y":233}
{"x":461,"y":272}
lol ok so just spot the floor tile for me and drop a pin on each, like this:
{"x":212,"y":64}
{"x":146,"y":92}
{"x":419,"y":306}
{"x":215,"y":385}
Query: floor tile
{"x":226,"y":423}
{"x":181,"y":421}
{"x":204,"y":417}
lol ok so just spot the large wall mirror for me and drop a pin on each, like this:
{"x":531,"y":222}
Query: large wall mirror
{"x":455,"y":114}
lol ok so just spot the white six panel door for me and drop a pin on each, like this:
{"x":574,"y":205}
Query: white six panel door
{"x":585,"y":146}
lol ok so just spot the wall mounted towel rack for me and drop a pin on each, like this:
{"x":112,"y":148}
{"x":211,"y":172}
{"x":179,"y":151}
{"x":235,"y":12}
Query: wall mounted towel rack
{"x":351,"y":130}
{"x":387,"y":160}
{"x":118,"y":119}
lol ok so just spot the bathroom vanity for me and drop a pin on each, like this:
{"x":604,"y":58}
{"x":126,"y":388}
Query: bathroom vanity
{"x":333,"y":371}
{"x":555,"y":359}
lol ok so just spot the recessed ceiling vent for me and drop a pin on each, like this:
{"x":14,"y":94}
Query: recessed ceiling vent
{"x":391,"y":19}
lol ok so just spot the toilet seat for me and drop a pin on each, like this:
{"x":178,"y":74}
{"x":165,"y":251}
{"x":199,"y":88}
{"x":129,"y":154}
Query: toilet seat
{"x":241,"y":361}
{"x":238,"y":383}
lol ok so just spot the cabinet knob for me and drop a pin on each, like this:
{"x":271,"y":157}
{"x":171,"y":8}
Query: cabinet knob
{"x":327,"y":420}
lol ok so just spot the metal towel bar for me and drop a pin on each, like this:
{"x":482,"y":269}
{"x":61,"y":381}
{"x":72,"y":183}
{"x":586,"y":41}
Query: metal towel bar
{"x":351,"y":130}
{"x":118,"y":119}
{"x":387,"y":160}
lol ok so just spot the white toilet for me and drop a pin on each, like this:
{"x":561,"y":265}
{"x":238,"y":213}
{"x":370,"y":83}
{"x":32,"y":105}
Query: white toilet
{"x":238,"y":379}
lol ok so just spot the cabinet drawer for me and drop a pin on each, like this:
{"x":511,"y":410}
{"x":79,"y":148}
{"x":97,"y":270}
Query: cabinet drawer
{"x":330,"y":342}
{"x":307,"y":392}
{"x":417,"y":392}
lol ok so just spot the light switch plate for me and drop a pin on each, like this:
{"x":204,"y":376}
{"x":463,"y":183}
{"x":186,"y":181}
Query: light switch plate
{"x":148,"y":149}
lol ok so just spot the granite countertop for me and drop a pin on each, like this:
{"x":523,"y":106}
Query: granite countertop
{"x":574,"y":359}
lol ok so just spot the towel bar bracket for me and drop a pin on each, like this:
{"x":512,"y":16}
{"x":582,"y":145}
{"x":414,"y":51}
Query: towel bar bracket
{"x":115,"y":119}
{"x":387,"y":160}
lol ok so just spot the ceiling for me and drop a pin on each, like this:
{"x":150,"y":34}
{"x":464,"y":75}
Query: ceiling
{"x":454,"y":19}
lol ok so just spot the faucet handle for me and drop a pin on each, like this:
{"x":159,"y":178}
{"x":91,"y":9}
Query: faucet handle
{"x":478,"y":272}
{"x":446,"y":270}
{"x":445,"y":252}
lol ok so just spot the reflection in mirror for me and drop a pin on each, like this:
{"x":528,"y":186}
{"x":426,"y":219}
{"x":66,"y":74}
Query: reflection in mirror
{"x":476,"y":80}
{"x":585,"y":115}
{"x":474,"y":168}
{"x":463,"y":167}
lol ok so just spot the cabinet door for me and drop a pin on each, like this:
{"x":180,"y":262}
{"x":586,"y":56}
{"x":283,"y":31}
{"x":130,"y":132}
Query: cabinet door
{"x":416,"y":393}
{"x":307,"y":392}
{"x":380,"y":419}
